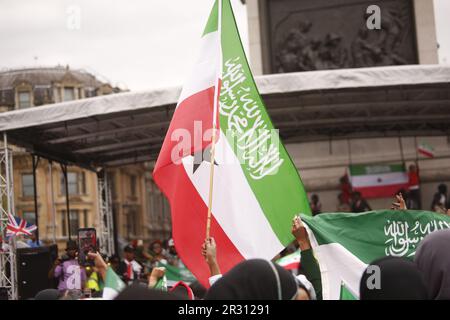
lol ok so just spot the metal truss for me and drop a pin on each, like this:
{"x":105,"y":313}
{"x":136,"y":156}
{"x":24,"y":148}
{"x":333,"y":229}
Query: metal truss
{"x":105,"y":214}
{"x":8,"y":267}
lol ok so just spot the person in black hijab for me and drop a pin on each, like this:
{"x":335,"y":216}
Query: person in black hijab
{"x":433,"y":259}
{"x":398,"y":279}
{"x":47,"y":294}
{"x":255,"y":279}
{"x":140,"y":292}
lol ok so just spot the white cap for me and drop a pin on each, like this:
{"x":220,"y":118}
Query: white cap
{"x":304,"y":282}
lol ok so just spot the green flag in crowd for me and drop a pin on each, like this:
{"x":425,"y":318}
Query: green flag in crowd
{"x":345,"y":243}
{"x":113,"y":285}
{"x":175,"y":274}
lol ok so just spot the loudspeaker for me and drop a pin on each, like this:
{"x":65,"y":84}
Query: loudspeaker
{"x":33,"y":265}
{"x":3,"y":293}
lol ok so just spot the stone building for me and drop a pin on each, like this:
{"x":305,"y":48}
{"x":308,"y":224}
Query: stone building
{"x":28,"y":88}
{"x":289,"y":35}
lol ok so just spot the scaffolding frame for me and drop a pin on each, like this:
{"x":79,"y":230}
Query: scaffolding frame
{"x":8,"y":280}
{"x":105,"y":214}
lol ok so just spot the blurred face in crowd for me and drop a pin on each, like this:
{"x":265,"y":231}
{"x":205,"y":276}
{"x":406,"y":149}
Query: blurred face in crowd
{"x":114,"y":262}
{"x":412,"y":168}
{"x":129,"y":256}
{"x":172,"y":250}
{"x":156,"y":248}
{"x":72,"y":253}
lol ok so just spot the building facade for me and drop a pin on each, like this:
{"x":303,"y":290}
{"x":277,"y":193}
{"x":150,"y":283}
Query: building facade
{"x":138,"y":212}
{"x":298,"y":36}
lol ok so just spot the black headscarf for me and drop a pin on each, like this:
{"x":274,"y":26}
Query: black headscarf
{"x":254,"y":279}
{"x":141,"y":292}
{"x":400,"y":279}
{"x":47,"y":294}
{"x":433,"y":259}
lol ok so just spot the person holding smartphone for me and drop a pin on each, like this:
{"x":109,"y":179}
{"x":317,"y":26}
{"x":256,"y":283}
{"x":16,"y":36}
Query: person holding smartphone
{"x":67,"y":269}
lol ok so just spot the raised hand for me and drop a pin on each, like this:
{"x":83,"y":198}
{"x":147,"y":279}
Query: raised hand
{"x":400,"y":204}
{"x":300,"y":233}
{"x":157,"y":273}
{"x":209,"y":252}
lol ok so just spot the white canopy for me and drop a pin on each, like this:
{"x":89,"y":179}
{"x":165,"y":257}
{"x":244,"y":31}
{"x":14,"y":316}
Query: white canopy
{"x":129,"y":127}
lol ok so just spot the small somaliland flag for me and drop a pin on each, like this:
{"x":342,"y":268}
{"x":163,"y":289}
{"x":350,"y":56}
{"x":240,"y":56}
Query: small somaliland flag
{"x":113,"y":285}
{"x":345,"y":243}
{"x":426,"y":150}
{"x":378,"y":181}
{"x":257,"y":189}
{"x":175,"y":274}
{"x":291,"y":261}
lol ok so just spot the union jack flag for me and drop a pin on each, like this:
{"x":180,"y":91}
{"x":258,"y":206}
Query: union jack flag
{"x":17,"y":226}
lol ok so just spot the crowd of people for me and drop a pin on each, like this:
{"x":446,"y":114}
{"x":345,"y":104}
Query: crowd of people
{"x":139,"y":266}
{"x":425,"y":277}
{"x":350,"y":200}
{"x":142,"y":267}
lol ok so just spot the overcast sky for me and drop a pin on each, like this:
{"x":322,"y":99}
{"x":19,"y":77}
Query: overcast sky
{"x":137,"y":44}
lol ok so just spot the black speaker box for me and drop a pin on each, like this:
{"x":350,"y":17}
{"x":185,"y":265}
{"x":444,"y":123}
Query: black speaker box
{"x":33,"y":265}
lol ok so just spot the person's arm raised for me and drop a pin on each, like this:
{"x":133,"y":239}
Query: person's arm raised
{"x":100,"y":264}
{"x":300,"y":234}
{"x":157,"y":273}
{"x":401,"y":204}
{"x":308,"y":263}
{"x":209,"y":252}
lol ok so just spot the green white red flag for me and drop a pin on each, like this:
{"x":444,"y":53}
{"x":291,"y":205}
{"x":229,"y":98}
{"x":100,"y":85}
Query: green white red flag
{"x":345,"y":243}
{"x":291,"y":261}
{"x":426,"y":150}
{"x":378,"y":180}
{"x":113,"y":285}
{"x":175,"y":274}
{"x":256,"y":187}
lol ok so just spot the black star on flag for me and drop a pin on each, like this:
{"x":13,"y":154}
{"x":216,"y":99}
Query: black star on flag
{"x":201,"y":156}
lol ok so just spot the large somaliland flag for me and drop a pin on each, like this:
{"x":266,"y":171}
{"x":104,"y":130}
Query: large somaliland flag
{"x":257,"y":189}
{"x":378,"y":180}
{"x":345,"y":243}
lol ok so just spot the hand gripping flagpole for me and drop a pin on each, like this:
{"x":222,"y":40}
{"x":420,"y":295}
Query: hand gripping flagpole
{"x":214,"y":121}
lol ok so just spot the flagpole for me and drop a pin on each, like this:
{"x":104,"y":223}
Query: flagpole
{"x":214,"y":122}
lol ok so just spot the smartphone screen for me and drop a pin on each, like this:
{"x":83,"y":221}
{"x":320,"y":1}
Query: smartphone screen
{"x":87,"y":242}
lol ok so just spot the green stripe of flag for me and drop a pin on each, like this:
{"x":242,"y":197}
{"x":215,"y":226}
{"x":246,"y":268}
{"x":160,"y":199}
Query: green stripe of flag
{"x":345,"y":293}
{"x":360,"y":170}
{"x":375,"y":234}
{"x":211,"y":25}
{"x":281,"y":195}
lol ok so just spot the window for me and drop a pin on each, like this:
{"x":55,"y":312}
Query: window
{"x":29,"y":217}
{"x":131,"y":222}
{"x":76,"y":183}
{"x":24,"y":99}
{"x":86,"y":218}
{"x":69,"y":93}
{"x":159,"y":208}
{"x":133,"y":185}
{"x":82,"y":182}
{"x":112,"y":185}
{"x":74,"y":222}
{"x":27,"y":185}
